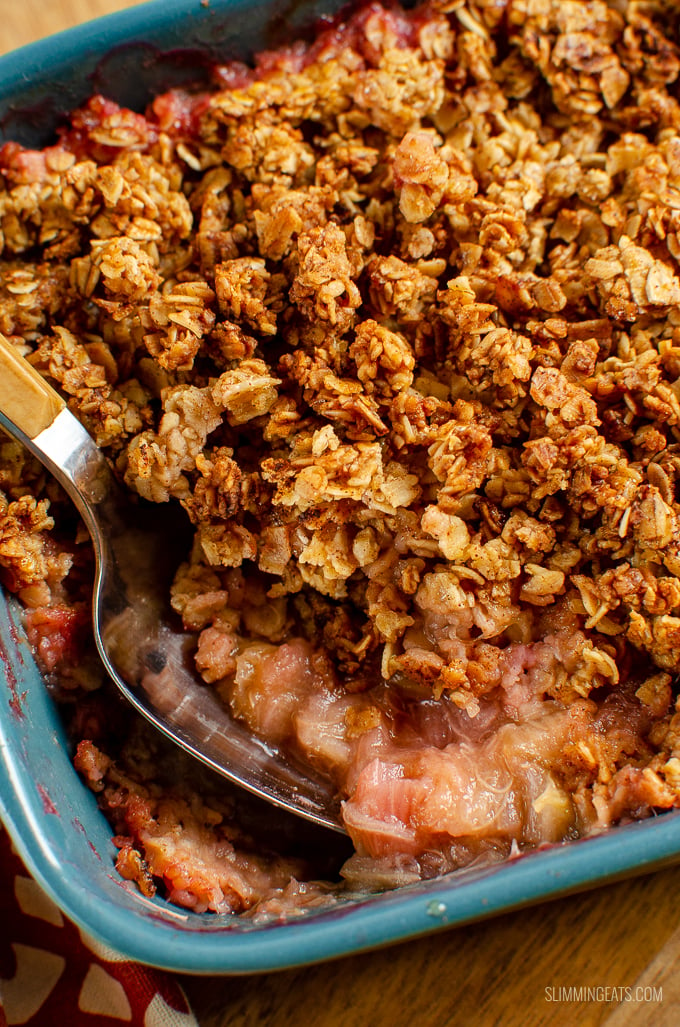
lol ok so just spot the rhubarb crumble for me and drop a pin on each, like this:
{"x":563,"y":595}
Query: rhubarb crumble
{"x":393,"y":315}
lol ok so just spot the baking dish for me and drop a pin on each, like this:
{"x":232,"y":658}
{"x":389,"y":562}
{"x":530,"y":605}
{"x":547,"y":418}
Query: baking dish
{"x":53,"y":819}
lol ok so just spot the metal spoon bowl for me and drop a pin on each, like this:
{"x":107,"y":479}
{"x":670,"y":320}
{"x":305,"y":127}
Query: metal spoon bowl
{"x":137,"y":548}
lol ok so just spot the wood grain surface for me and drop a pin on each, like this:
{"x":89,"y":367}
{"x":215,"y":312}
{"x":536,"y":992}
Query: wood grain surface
{"x":512,"y":970}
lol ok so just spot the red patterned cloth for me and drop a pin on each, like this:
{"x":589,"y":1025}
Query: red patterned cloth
{"x":51,"y":974}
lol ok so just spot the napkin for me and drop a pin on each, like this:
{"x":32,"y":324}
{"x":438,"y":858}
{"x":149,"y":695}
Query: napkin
{"x":51,"y":973}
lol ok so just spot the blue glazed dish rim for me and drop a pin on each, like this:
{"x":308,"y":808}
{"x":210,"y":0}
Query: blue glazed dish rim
{"x":53,"y":819}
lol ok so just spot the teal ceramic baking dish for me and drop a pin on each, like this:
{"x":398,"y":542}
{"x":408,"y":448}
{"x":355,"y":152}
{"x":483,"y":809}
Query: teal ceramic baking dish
{"x":53,"y":819}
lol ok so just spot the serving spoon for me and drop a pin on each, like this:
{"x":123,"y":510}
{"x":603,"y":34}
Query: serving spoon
{"x":137,"y":548}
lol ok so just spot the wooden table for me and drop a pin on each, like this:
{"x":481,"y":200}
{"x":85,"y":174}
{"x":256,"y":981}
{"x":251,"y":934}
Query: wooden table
{"x":512,"y":970}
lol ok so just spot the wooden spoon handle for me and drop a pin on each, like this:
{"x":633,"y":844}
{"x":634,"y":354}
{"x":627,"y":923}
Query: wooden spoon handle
{"x":25,"y":397}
